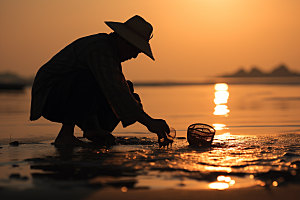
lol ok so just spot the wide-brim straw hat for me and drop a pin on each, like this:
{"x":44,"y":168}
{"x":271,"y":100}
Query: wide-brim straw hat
{"x":137,"y":31}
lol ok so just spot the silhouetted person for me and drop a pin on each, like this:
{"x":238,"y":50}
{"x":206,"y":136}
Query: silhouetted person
{"x":84,"y":85}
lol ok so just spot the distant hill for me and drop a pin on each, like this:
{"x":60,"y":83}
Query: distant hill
{"x":13,"y":78}
{"x":280,"y":71}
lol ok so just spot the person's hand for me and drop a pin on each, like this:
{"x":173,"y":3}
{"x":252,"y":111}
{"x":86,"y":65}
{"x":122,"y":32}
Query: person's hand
{"x":159,"y":126}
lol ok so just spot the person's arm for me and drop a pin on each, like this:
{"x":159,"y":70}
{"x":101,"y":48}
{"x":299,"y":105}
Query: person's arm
{"x":106,"y":69}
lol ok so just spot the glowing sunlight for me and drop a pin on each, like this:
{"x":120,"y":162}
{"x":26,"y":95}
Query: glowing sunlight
{"x":219,"y":127}
{"x":221,"y":99}
{"x":223,"y":182}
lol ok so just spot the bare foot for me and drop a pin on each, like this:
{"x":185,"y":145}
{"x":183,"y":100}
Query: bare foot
{"x":68,"y":140}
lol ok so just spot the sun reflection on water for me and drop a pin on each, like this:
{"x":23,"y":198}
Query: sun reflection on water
{"x":218,"y":185}
{"x":222,"y":183}
{"x":221,"y":99}
{"x":242,"y":159}
{"x":219,"y":127}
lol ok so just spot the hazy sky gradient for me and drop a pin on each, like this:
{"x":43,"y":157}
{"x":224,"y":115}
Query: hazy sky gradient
{"x":192,"y":38}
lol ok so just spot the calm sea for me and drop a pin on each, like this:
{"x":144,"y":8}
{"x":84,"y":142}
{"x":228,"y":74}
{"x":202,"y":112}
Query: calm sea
{"x":256,"y":143}
{"x":231,"y":109}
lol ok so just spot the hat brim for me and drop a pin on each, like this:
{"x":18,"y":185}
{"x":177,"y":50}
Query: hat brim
{"x":131,"y":37}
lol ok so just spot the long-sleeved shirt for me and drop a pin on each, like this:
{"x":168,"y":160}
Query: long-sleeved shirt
{"x":98,"y":54}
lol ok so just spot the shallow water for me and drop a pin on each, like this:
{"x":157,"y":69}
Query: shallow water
{"x":256,"y":143}
{"x":246,"y":110}
{"x":137,"y":162}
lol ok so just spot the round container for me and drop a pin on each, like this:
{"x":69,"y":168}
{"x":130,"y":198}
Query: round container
{"x":200,"y":134}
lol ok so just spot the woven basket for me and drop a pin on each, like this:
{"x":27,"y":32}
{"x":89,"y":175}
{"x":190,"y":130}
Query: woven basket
{"x":200,"y":134}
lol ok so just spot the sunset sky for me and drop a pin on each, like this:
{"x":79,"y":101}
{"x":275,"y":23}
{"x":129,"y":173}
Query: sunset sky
{"x":192,"y":38}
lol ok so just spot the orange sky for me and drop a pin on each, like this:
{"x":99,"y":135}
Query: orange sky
{"x":192,"y":38}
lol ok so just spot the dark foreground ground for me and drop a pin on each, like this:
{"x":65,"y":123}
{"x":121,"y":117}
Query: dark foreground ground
{"x":137,"y":170}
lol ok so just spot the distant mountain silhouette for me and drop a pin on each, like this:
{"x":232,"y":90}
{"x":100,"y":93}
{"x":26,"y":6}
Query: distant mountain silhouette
{"x":12,"y":81}
{"x":9,"y":77}
{"x":255,"y":72}
{"x":280,"y":71}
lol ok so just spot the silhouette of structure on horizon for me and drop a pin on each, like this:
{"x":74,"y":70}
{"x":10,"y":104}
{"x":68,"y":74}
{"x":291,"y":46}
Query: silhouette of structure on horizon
{"x":12,"y":81}
{"x":280,"y":71}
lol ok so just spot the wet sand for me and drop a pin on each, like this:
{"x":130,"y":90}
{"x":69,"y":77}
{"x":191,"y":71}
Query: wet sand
{"x":234,"y":194}
{"x":138,"y":170}
{"x":257,"y":193}
{"x":41,"y":171}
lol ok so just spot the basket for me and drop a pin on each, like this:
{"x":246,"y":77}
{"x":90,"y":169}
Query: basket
{"x":200,"y":134}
